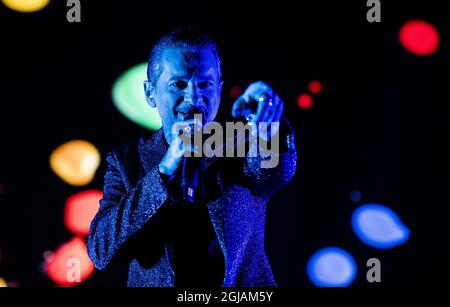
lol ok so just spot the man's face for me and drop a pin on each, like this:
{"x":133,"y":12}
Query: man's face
{"x":189,"y":84}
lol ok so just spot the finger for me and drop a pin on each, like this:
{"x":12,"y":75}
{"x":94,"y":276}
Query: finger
{"x":185,"y":126}
{"x":260,"y":92}
{"x":238,"y":107}
{"x":176,"y":148}
{"x":273,"y":129}
{"x":279,"y":111}
{"x":264,"y":103}
{"x":270,"y":109}
{"x":263,"y":130}
{"x":261,"y":103}
{"x":190,"y":150}
{"x":275,"y":123}
{"x":251,"y":95}
{"x":197,"y":125}
{"x":178,"y":128}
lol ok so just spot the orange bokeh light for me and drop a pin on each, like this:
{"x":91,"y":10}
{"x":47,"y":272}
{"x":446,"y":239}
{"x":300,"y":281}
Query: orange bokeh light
{"x":75,"y":162}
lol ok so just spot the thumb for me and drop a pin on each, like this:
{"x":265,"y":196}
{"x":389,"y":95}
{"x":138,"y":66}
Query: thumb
{"x":239,"y":107}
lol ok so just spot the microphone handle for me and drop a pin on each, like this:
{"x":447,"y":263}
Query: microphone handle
{"x":189,"y":179}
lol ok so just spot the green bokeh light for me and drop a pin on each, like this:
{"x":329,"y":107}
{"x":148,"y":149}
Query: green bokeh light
{"x":129,"y":99}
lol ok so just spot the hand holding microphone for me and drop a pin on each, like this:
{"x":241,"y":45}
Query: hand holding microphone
{"x":182,"y":146}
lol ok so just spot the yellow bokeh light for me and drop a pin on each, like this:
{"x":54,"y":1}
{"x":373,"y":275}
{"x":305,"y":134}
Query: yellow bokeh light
{"x":3,"y":283}
{"x":25,"y":6}
{"x":75,"y":162}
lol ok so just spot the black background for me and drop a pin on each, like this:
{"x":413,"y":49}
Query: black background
{"x":380,"y":125}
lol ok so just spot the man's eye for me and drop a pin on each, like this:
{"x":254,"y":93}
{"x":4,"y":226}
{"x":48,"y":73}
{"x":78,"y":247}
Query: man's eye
{"x":179,"y":84}
{"x":204,"y":84}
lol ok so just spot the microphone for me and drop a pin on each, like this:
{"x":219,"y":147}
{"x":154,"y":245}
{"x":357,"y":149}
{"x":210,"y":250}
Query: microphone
{"x":190,"y":176}
{"x":189,"y":179}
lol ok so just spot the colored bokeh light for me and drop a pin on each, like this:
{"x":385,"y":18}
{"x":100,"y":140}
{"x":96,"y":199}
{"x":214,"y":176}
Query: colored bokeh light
{"x":331,"y":267}
{"x":70,"y":264}
{"x":47,"y":254}
{"x":129,"y":98}
{"x":26,"y":6}
{"x":235,"y":92}
{"x":379,"y":226}
{"x":75,"y":162}
{"x":419,"y":37}
{"x":315,"y":87}
{"x":80,"y":209}
{"x":355,"y":196}
{"x":305,"y":101}
{"x":3,"y":283}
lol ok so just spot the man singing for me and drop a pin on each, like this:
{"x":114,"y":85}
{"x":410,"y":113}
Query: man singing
{"x":146,"y":224}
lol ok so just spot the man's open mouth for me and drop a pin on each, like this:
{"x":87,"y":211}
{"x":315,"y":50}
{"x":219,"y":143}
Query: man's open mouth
{"x":186,"y":115}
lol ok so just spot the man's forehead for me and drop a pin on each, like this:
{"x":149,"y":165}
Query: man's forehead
{"x":176,"y":61}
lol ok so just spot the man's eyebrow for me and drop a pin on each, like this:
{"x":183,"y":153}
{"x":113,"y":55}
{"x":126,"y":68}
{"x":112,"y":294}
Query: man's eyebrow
{"x":207,"y":78}
{"x":208,"y":75}
{"x":178,"y":77}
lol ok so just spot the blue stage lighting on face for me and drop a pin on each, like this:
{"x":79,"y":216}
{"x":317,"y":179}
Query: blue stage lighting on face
{"x":331,"y":267}
{"x":379,"y":226}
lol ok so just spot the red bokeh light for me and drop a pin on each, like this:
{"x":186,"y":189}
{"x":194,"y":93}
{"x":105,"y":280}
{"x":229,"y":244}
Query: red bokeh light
{"x":305,"y":101}
{"x":315,"y":87}
{"x":80,"y":210}
{"x":419,"y":37}
{"x":235,"y":92}
{"x":69,"y":265}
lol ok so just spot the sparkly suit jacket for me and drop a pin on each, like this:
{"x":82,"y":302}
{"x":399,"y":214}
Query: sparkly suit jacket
{"x":128,"y":231}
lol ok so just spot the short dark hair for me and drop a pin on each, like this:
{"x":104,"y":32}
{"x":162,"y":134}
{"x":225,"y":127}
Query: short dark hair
{"x":188,"y":38}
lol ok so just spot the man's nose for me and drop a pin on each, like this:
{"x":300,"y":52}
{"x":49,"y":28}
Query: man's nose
{"x":191,"y":94}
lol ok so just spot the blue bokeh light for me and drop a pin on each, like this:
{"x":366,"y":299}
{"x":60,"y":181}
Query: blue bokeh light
{"x":379,"y":226}
{"x":331,"y":267}
{"x":355,"y":196}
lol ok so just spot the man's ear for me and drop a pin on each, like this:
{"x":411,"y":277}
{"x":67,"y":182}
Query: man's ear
{"x":149,"y":90}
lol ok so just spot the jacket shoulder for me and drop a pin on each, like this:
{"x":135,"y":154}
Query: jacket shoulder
{"x":126,"y":158}
{"x":126,"y":151}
